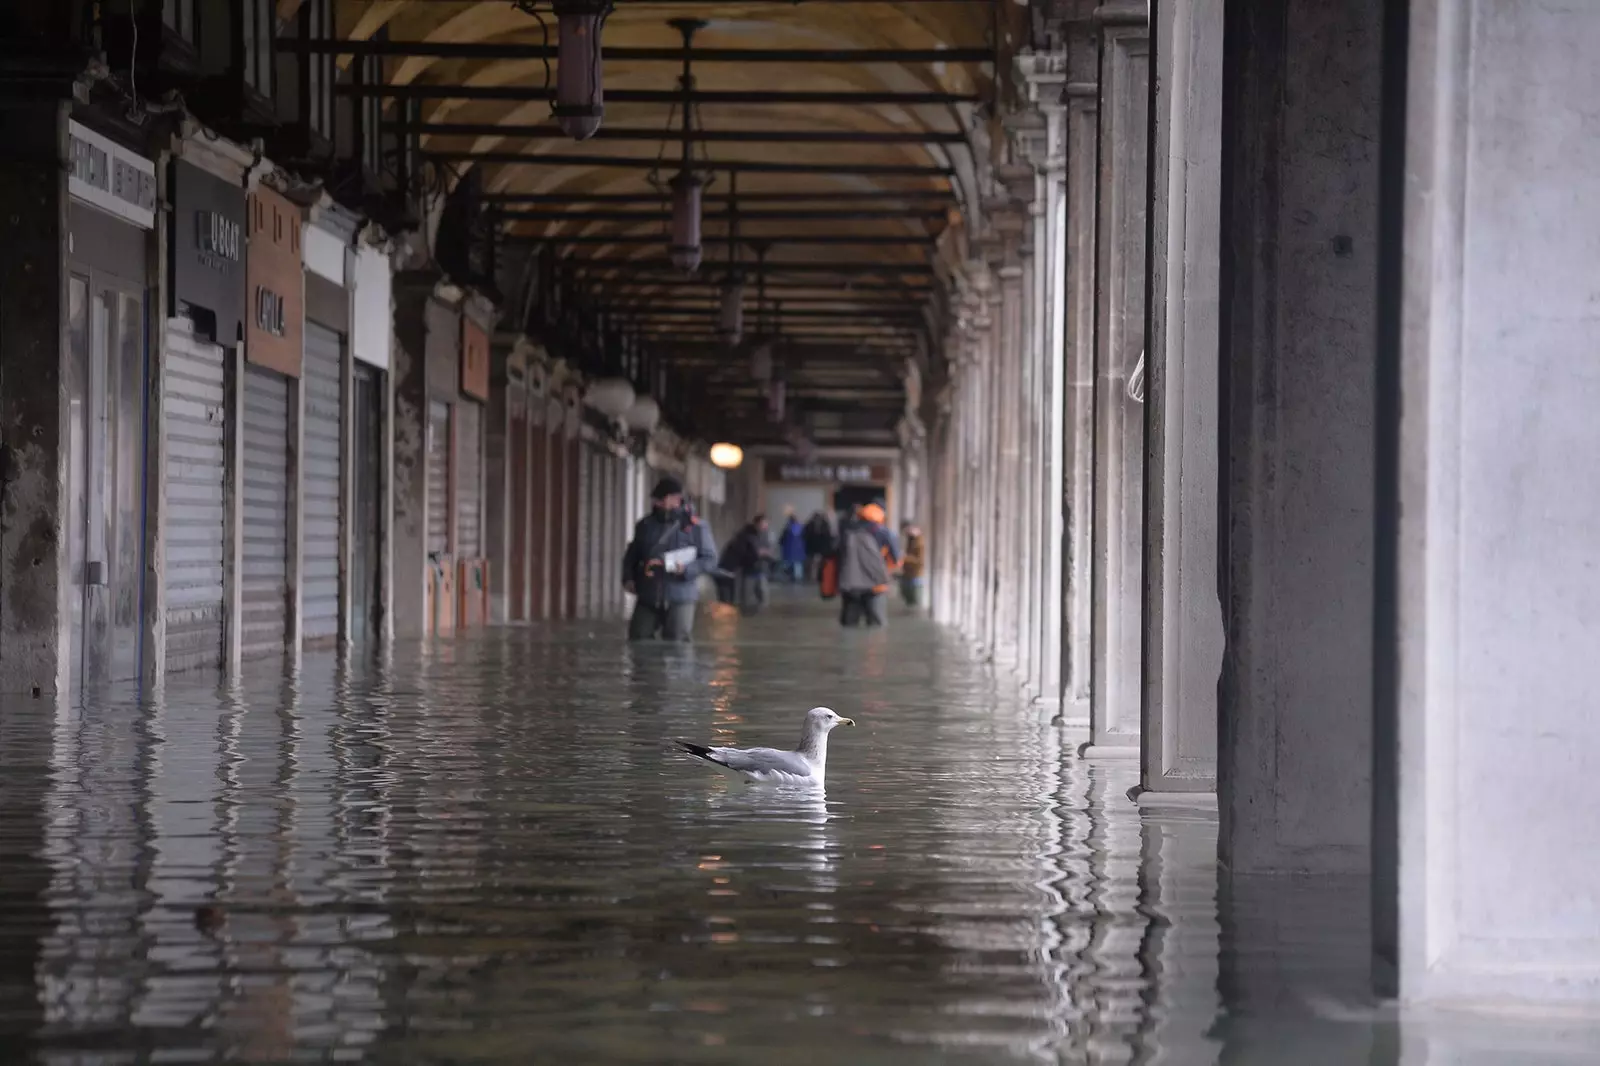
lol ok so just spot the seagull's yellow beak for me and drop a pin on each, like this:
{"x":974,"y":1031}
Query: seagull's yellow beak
{"x":847,"y":721}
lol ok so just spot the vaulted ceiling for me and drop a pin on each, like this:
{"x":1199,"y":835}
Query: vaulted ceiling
{"x":839,"y":128}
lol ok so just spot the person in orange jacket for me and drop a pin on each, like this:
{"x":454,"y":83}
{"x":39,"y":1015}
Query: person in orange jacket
{"x":868,"y":554}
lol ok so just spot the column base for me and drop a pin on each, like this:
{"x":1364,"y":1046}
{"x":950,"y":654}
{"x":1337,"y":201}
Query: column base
{"x":1194,"y":801}
{"x":1106,"y":751}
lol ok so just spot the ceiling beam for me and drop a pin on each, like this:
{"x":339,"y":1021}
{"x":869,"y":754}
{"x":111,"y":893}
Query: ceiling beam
{"x":702,"y":136}
{"x":797,"y":239}
{"x":833,"y":197}
{"x":700,"y":97}
{"x":650,"y":162}
{"x":819,"y":215}
{"x":640,"y":267}
{"x":517,"y":50}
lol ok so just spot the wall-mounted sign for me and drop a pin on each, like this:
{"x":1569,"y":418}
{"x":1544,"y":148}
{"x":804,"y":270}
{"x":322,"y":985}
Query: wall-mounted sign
{"x":474,"y":360}
{"x":208,"y":252}
{"x":833,"y":473}
{"x":109,"y":176}
{"x":374,"y":319}
{"x":276,"y":319}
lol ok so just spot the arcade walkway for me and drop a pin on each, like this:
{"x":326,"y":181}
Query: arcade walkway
{"x":488,"y":853}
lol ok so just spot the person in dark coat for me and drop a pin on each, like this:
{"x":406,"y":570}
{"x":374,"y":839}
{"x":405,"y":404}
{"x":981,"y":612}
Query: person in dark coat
{"x":666,"y":593}
{"x":746,"y":558}
{"x":819,"y":544}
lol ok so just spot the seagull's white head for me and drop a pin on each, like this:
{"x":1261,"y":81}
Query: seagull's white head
{"x":823,"y":719}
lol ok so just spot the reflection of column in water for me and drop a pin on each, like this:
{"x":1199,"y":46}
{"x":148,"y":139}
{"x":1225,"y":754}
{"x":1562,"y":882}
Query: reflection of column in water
{"x":1077,"y":870}
{"x":257,"y":1015}
{"x":1180,"y":944}
{"x":184,"y":775}
{"x":91,"y":959}
{"x":363,"y":878}
{"x":1116,"y":982}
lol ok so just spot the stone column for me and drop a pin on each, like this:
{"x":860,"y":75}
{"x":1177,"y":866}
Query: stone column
{"x":1078,"y":240}
{"x":1121,"y":208}
{"x":409,"y":537}
{"x":35,"y":609}
{"x":1301,"y":122}
{"x":1494,"y":509}
{"x":1045,"y":146}
{"x":1005,"y":469}
{"x":1183,"y":617}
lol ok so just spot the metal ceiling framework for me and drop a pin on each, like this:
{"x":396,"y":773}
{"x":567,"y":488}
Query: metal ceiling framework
{"x":845,"y":121}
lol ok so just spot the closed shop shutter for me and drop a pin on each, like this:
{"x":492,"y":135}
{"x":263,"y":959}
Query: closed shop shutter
{"x":264,"y":586}
{"x":438,"y":478}
{"x":367,"y":516}
{"x":194,"y":412}
{"x":321,"y":469}
{"x":469,"y":480}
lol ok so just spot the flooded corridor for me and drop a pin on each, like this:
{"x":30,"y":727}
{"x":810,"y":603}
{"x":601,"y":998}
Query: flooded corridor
{"x":491,"y":853}
{"x":493,"y":849}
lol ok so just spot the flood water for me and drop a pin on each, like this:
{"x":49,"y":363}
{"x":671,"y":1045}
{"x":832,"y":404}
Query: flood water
{"x":488,"y":851}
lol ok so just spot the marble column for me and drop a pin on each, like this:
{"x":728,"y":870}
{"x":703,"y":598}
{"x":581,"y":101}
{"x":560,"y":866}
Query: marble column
{"x":1006,"y":468}
{"x":1045,"y":147}
{"x":1078,"y":439}
{"x":1183,"y":636}
{"x":1301,"y":123}
{"x":1124,"y":127}
{"x":1494,"y":512}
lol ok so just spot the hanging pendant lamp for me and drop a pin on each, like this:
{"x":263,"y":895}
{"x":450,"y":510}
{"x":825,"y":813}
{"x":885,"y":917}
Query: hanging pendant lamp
{"x":687,"y":185}
{"x":580,"y":80}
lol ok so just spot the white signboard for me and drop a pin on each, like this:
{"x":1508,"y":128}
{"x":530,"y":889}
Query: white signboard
{"x":371,"y":329}
{"x":324,"y":254}
{"x":109,"y":176}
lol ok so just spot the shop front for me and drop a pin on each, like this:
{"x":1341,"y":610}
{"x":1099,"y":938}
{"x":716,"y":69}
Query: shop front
{"x":831,"y":486}
{"x":472,"y":564}
{"x":265,"y":460}
{"x":370,"y":466}
{"x":110,"y":216}
{"x":204,"y":329}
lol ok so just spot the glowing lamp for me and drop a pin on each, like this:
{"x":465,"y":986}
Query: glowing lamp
{"x":612,"y":397}
{"x":726,"y":456}
{"x":579,"y":74}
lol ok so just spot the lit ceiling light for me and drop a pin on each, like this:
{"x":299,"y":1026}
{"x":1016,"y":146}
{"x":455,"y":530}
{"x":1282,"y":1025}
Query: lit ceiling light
{"x":579,"y":73}
{"x":726,"y":456}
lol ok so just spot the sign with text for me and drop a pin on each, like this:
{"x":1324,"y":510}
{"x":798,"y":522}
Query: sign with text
{"x":111,"y":177}
{"x":275,"y":313}
{"x":208,"y":252}
{"x":828,"y":472}
{"x":474,"y":360}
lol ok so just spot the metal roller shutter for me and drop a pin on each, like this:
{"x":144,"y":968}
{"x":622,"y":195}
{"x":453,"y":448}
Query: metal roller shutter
{"x":367,"y":498}
{"x":321,"y":469}
{"x":264,"y":586}
{"x":438,"y":478}
{"x":469,"y":481}
{"x":585,"y":546}
{"x":194,"y":411}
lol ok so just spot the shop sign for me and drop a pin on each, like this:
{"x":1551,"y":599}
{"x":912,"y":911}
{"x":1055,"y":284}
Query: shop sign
{"x":841,"y":473}
{"x":208,"y":249}
{"x":273,"y":272}
{"x":109,"y":176}
{"x":474,"y":360}
{"x":374,"y":320}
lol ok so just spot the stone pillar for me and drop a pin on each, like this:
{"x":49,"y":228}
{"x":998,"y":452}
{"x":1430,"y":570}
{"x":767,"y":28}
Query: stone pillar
{"x":408,"y":597}
{"x":1045,"y":147}
{"x":1005,"y":468}
{"x":35,"y":608}
{"x":1494,"y":509}
{"x":1183,"y":618}
{"x":1124,"y":130}
{"x":1301,"y":121}
{"x":1082,"y":107}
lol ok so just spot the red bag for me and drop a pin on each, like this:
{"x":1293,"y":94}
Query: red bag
{"x":830,"y":578}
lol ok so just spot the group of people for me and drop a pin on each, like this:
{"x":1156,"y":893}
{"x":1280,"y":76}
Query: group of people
{"x":672,"y":548}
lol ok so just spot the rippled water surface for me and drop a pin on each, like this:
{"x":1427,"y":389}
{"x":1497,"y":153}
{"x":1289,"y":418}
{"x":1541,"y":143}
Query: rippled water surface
{"x":488,"y":851}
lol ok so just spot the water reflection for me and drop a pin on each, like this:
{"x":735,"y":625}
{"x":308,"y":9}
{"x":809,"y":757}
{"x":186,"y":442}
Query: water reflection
{"x":490,"y":851}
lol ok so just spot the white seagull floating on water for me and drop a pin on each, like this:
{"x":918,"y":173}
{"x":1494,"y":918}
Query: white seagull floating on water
{"x":805,"y":765}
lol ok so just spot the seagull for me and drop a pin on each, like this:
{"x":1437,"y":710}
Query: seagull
{"x":804,"y":765}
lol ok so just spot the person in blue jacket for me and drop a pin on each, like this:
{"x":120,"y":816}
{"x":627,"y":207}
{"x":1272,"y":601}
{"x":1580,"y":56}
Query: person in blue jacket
{"x":666,"y":592}
{"x":792,"y":548}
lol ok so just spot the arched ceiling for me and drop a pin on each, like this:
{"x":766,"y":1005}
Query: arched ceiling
{"x":860,"y":234}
